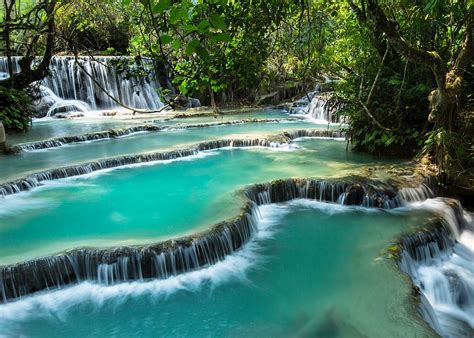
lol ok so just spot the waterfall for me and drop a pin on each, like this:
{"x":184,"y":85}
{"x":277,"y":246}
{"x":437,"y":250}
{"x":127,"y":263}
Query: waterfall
{"x":438,"y":258}
{"x":70,"y":89}
{"x":440,"y":262}
{"x":161,"y":260}
{"x":120,"y":132}
{"x":36,"y":179}
{"x":100,"y":135}
{"x":315,"y":106}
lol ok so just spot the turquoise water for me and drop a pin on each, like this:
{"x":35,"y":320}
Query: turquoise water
{"x":260,"y":114}
{"x":43,"y":129}
{"x":17,"y":166}
{"x":148,"y":203}
{"x":314,"y":270}
{"x":46,"y":129}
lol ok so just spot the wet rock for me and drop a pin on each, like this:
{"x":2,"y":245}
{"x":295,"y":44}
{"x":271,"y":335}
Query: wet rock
{"x":355,"y":195}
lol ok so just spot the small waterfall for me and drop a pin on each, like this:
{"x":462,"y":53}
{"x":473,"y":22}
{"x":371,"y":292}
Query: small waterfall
{"x":70,"y":89}
{"x":114,"y":133}
{"x":440,"y":262}
{"x":51,"y":103}
{"x":101,"y":135}
{"x":315,"y":106}
{"x":172,"y":257}
{"x":36,"y":179}
{"x":111,"y":266}
{"x":318,"y":109}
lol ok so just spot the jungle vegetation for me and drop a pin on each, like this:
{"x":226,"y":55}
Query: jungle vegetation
{"x":403,"y":69}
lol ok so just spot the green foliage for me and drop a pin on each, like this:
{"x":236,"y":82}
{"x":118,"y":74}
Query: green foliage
{"x":14,"y":109}
{"x":241,"y":49}
{"x":214,"y":45}
{"x":451,"y":151}
{"x":101,"y":26}
{"x":398,"y":102}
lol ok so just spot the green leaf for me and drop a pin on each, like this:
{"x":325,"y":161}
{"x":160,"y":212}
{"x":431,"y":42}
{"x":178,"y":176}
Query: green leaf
{"x":191,"y":47}
{"x":165,"y":39}
{"x":203,"y":53}
{"x":190,"y":28}
{"x":176,"y":44}
{"x":177,"y":14}
{"x":222,"y":37}
{"x":218,"y":22}
{"x":203,"y":26}
{"x":161,"y":6}
{"x":183,"y":87}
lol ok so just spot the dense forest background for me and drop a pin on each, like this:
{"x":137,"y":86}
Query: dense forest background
{"x":402,"y":69}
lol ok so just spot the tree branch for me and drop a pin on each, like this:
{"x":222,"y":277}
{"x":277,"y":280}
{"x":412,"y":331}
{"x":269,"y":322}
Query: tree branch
{"x":465,"y":55}
{"x":27,"y":75}
{"x":417,"y":55}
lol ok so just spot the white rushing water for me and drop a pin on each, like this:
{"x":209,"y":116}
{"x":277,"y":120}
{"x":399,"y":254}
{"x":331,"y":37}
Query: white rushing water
{"x":57,"y":303}
{"x":71,"y":89}
{"x":315,"y":107}
{"x":444,"y":273}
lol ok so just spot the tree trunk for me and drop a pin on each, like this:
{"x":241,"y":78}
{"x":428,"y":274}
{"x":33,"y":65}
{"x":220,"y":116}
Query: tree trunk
{"x":3,"y":138}
{"x":213,"y":101}
{"x":8,"y":5}
{"x":449,"y":82}
{"x":27,"y":75}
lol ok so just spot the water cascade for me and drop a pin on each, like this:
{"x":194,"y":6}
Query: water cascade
{"x":172,"y":257}
{"x":440,"y":263}
{"x":316,"y":107}
{"x":120,"y":132}
{"x":101,"y":135}
{"x":70,"y":89}
{"x":36,"y":179}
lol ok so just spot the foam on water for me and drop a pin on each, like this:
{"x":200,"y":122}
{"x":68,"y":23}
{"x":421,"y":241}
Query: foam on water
{"x":331,"y":208}
{"x":26,"y":200}
{"x":444,"y":272}
{"x":14,"y":204}
{"x":319,"y":138}
{"x":275,"y":146}
{"x":199,"y":155}
{"x":57,"y":303}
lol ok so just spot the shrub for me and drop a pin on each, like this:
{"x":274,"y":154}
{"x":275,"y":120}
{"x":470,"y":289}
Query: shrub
{"x":15,"y":109}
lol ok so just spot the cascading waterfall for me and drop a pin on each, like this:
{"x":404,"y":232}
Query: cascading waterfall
{"x":70,"y":89}
{"x":278,"y":141}
{"x":438,"y":258}
{"x":170,"y":258}
{"x":100,"y":135}
{"x":120,"y":132}
{"x":315,"y":106}
{"x":318,"y":109}
{"x":440,"y":262}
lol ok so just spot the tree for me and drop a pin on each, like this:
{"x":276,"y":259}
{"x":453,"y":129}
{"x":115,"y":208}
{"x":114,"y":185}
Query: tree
{"x":447,"y":73}
{"x":210,"y":46}
{"x":30,"y":31}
